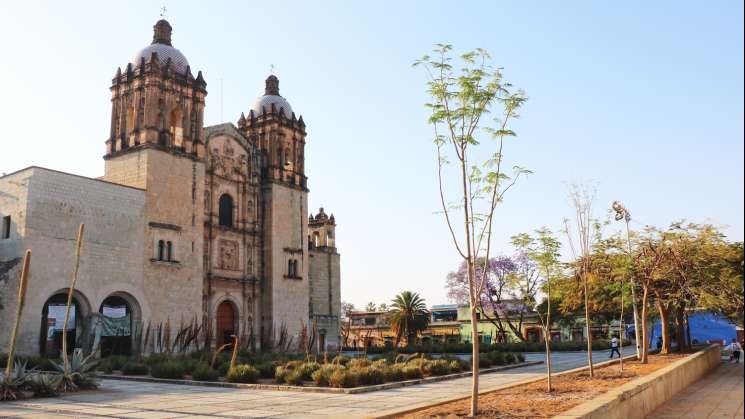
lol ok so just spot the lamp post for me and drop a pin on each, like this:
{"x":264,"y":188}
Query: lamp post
{"x":623,"y":214}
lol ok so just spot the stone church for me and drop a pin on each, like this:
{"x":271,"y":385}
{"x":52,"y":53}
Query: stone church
{"x":188,"y":223}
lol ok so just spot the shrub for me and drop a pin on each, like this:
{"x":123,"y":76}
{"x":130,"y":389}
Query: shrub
{"x":359,"y":363}
{"x":307,"y":369}
{"x":134,"y":368}
{"x":498,"y":358}
{"x":167,"y":369}
{"x":321,"y":376}
{"x":455,"y":366}
{"x":153,"y":359}
{"x":509,"y":358}
{"x":204,"y":372}
{"x":243,"y":374}
{"x":223,"y":367}
{"x":45,"y":385}
{"x":266,"y":369}
{"x":484,"y":361}
{"x":279,"y":374}
{"x":411,"y":372}
{"x":294,"y":377}
{"x":340,"y":360}
{"x":368,"y":376}
{"x":520,"y":357}
{"x":437,"y":367}
{"x":394,"y":372}
{"x":343,"y":378}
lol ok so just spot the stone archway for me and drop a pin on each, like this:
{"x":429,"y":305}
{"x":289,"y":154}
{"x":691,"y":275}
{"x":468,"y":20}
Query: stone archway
{"x":226,"y":319}
{"x":121,"y":318}
{"x":53,"y":318}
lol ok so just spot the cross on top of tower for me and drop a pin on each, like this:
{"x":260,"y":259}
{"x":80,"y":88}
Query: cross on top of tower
{"x":163,"y":11}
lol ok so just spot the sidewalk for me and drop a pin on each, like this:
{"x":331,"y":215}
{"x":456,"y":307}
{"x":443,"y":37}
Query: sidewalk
{"x":717,"y":395}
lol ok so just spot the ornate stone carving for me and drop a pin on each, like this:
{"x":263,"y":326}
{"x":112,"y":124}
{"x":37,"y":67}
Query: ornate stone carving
{"x":228,"y":255}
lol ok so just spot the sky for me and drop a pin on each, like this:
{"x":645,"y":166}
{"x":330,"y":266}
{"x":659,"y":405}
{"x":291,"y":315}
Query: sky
{"x":643,"y":100}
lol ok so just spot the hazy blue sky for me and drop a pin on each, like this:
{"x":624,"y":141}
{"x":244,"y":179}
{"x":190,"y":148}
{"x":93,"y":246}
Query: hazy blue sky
{"x":643,"y":98}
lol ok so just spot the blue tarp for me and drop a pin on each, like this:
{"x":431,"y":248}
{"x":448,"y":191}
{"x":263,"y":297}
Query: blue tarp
{"x":705,"y":326}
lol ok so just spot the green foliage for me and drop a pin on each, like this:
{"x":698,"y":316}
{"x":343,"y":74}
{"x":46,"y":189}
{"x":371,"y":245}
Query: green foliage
{"x":135,"y":368}
{"x":294,"y":377}
{"x":266,"y":369}
{"x":368,"y":376}
{"x":412,"y":372}
{"x":243,"y":374}
{"x":322,"y":375}
{"x":79,"y":374}
{"x":45,"y":384}
{"x":204,"y":372}
{"x":437,"y":367}
{"x":341,"y":360}
{"x":168,"y":369}
{"x":359,"y":363}
{"x":409,"y":316}
{"x":343,"y":378}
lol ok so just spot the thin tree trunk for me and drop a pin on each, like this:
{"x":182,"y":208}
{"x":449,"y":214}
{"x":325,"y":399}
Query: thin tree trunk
{"x":587,"y":328}
{"x":547,"y":331}
{"x":621,"y":332}
{"x":665,"y":330}
{"x":78,"y":245}
{"x":645,"y":332}
{"x":475,"y":363}
{"x":19,"y":310}
{"x":680,"y":328}
{"x":688,"y":333}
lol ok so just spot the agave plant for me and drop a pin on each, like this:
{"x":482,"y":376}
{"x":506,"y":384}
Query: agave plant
{"x":79,"y":374}
{"x":45,"y":384}
{"x":11,"y":386}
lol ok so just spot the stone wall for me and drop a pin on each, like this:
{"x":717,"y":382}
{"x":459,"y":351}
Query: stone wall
{"x":325,"y":292}
{"x":285,"y":299}
{"x":56,"y":204}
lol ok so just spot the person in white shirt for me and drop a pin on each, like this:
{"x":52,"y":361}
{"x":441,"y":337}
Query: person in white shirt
{"x":735,"y":349}
{"x":614,"y":347}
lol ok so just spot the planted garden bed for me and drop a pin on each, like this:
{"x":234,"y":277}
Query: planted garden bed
{"x":340,"y":372}
{"x":532,"y":400}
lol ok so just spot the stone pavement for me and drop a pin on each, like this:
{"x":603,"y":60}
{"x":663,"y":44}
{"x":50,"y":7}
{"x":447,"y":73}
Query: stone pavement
{"x":132,"y":399}
{"x":717,"y":395}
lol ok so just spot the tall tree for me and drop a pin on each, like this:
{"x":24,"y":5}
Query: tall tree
{"x":546,"y":253}
{"x":409,"y":316}
{"x":461,"y":99}
{"x":581,"y":243}
{"x":370,"y":306}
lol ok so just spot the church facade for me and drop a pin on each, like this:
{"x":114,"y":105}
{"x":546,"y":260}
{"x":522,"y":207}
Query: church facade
{"x":188,"y":223}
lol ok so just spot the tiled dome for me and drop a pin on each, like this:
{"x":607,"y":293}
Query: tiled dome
{"x":162,"y":45}
{"x":271,"y":96}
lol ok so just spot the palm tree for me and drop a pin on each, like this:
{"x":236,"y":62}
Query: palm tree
{"x":409,"y":316}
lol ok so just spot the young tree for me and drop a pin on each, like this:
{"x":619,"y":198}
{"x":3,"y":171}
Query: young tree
{"x":409,"y":316}
{"x":546,"y":254}
{"x":647,"y":266}
{"x":581,"y":245}
{"x":460,"y":102}
{"x":622,"y":213}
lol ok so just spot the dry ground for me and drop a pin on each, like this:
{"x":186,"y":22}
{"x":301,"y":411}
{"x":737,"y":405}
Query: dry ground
{"x":532,"y":400}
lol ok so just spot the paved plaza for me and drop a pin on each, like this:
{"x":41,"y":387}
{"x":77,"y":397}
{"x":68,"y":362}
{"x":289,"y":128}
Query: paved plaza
{"x":130,"y":399}
{"x":717,"y":395}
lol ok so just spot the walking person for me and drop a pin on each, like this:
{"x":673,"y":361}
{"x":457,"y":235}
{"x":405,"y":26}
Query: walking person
{"x":614,"y":347}
{"x":735,"y":349}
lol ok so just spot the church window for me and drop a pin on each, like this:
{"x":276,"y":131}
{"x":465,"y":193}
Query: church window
{"x":161,"y":250}
{"x":316,"y":239}
{"x":6,"y":227}
{"x":177,"y":128}
{"x":291,"y":268}
{"x":226,"y":211}
{"x":130,"y":119}
{"x":169,"y":251}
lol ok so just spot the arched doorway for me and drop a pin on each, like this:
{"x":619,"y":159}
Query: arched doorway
{"x":226,"y":320}
{"x":53,"y":319}
{"x":116,"y":330}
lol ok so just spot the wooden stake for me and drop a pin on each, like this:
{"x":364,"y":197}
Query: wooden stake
{"x":19,"y":310}
{"x":79,"y":244}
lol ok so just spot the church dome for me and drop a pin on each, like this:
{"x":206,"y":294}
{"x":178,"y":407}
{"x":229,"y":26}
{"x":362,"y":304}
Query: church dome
{"x":271,"y":97}
{"x":162,"y":46}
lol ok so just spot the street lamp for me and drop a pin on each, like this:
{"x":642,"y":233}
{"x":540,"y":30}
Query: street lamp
{"x":623,"y":214}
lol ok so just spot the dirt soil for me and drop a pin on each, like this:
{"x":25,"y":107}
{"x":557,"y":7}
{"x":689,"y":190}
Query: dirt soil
{"x":532,"y":400}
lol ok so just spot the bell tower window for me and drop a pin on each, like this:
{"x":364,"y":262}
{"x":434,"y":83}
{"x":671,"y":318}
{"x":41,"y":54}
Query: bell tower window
{"x":225,"y":217}
{"x":177,"y":128}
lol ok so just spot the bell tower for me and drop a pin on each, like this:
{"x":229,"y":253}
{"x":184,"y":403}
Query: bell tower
{"x":157,"y":102}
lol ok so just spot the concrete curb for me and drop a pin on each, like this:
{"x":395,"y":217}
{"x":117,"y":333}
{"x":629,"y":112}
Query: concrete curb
{"x":421,"y":406}
{"x":638,"y":398}
{"x":280,"y":387}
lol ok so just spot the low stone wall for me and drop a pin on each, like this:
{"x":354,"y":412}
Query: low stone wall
{"x":638,"y":398}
